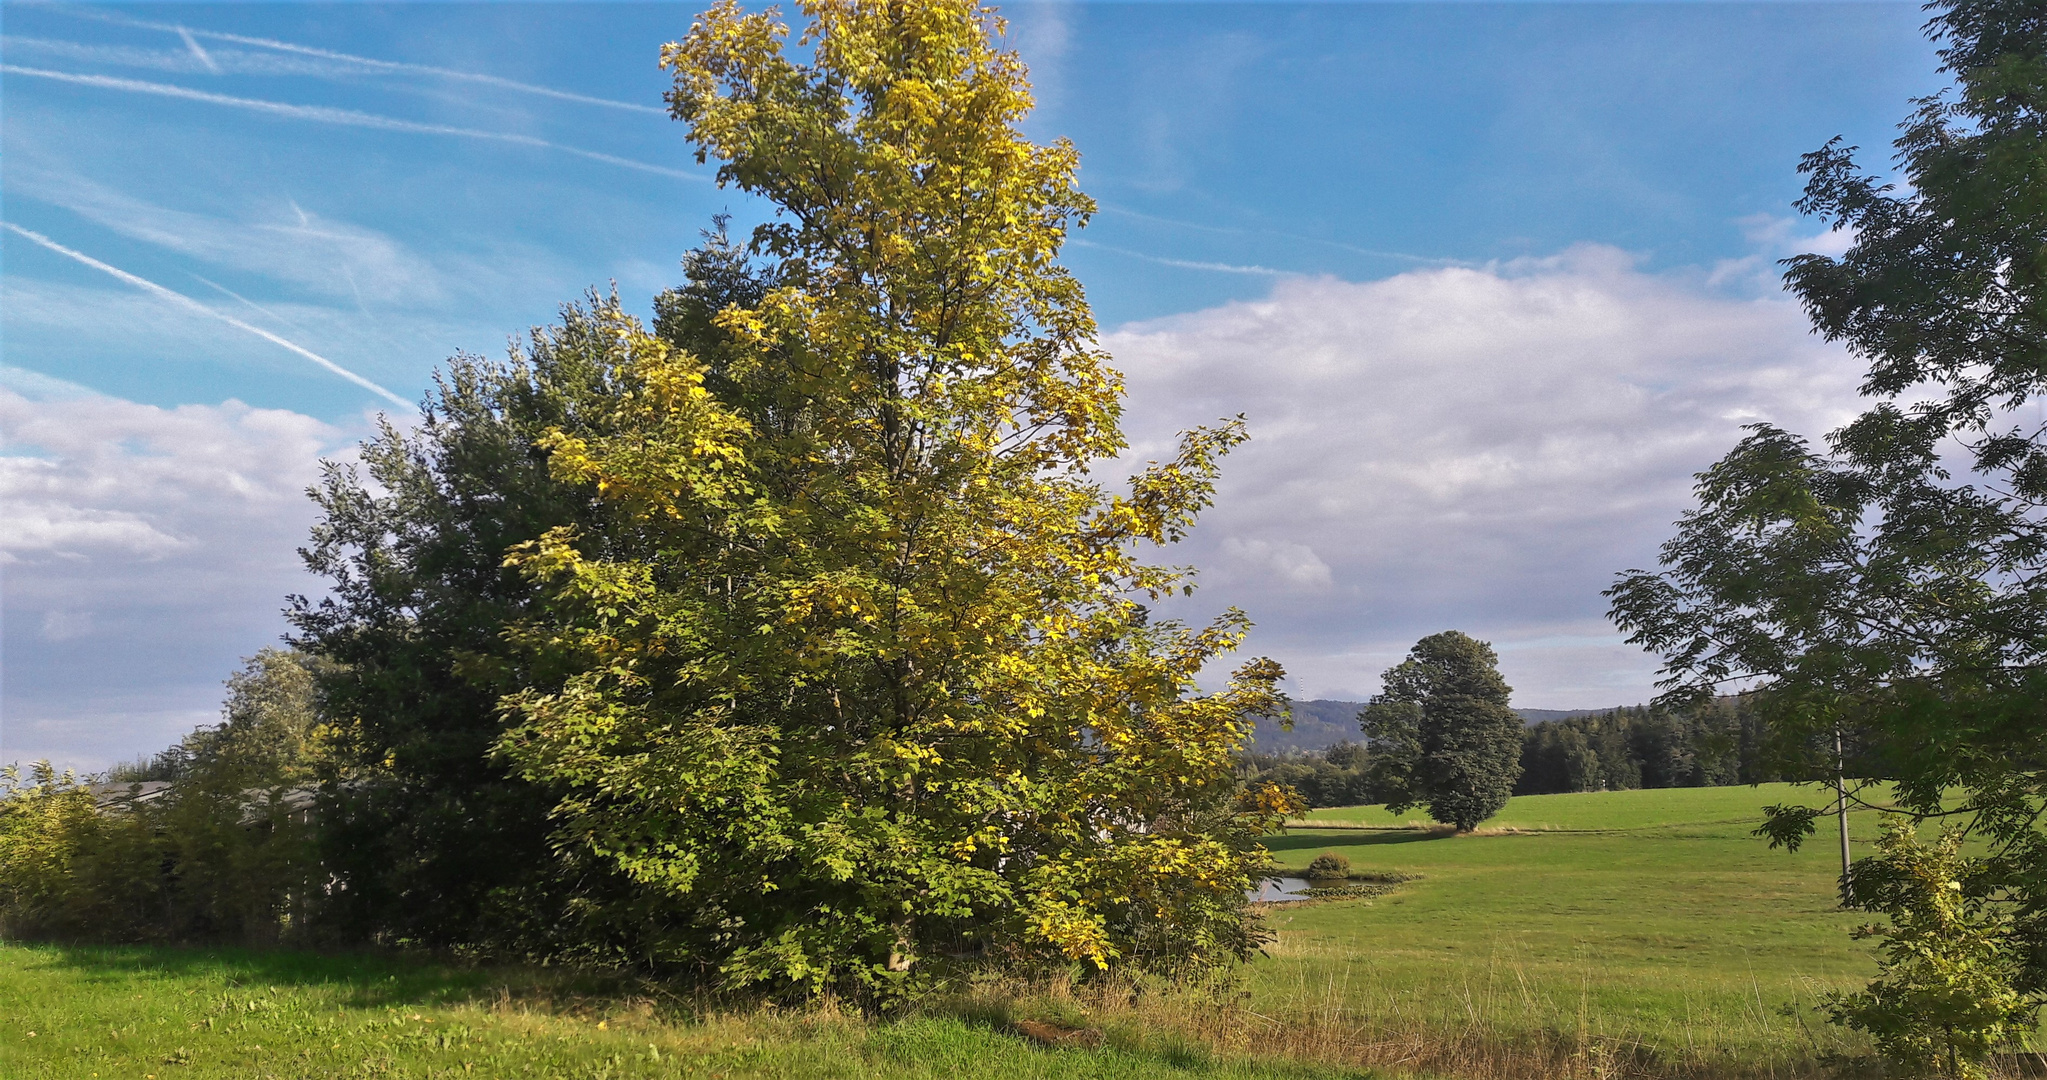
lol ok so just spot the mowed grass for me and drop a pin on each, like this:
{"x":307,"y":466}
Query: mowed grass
{"x":176,"y":1014}
{"x":1648,"y":921}
{"x":1625,"y":933}
{"x":1608,"y":811}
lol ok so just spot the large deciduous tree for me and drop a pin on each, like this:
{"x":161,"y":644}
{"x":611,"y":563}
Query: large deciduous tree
{"x":859,"y":672}
{"x":1442,"y":734}
{"x":431,"y":840}
{"x":1890,"y":584}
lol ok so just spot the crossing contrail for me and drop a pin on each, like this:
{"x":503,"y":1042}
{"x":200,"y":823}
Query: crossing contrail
{"x":192,"y":43}
{"x":329,"y":115}
{"x":190,"y":304}
{"x":1378,"y":253}
{"x":1190,"y":264}
{"x":371,"y":62}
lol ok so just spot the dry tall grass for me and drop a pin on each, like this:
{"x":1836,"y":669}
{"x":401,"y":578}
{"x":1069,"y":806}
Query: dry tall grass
{"x":1503,"y":1034}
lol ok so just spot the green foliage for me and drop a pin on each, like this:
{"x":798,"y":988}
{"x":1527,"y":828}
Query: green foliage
{"x":68,"y":870}
{"x":790,"y":641}
{"x":236,"y":827}
{"x":433,"y":841}
{"x":1328,"y":866}
{"x":1336,"y":776}
{"x":1889,"y":585}
{"x":225,"y":852}
{"x":854,"y":676}
{"x":1441,"y":733}
{"x":1943,"y":998}
{"x":1721,"y":741}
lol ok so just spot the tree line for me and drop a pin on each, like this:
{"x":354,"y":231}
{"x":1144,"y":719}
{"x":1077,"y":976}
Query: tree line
{"x":1710,"y":743}
{"x":1719,"y":742}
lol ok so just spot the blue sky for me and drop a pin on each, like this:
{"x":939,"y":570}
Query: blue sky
{"x":1491,"y":281}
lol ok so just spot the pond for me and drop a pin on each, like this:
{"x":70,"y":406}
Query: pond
{"x":1279,"y":888}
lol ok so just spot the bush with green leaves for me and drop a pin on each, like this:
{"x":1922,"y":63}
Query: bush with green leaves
{"x":67,"y":869}
{"x":1328,"y":866}
{"x":1943,"y":998}
{"x":226,"y":853}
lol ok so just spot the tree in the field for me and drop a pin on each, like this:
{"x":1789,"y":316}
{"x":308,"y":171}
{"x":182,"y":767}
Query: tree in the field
{"x":1888,"y":588}
{"x":1442,"y":734}
{"x":859,"y":673}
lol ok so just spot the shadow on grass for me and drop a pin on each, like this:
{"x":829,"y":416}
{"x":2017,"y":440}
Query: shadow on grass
{"x":360,"y":979}
{"x":1300,"y":839}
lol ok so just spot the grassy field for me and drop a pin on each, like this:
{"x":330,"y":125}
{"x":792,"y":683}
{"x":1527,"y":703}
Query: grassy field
{"x":1649,"y":923}
{"x":1624,"y":933}
{"x":172,"y":1014}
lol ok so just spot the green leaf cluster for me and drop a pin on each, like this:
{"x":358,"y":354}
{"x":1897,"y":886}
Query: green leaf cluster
{"x":1943,"y":998}
{"x":1442,"y":734}
{"x":859,"y":676}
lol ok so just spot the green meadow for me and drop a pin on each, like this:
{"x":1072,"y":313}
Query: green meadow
{"x":1621,"y":933}
{"x":174,"y":1014}
{"x":1650,"y":923}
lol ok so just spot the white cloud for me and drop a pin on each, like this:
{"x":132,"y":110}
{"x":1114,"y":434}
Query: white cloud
{"x":61,"y":625}
{"x":1775,"y":238}
{"x":146,"y":549}
{"x":1290,"y":565}
{"x":1471,"y":448}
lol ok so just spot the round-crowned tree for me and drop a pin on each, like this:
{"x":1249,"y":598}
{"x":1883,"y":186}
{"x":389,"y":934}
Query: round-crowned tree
{"x":1442,"y":734}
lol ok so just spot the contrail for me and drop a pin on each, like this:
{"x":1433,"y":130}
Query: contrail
{"x":1339,"y":245}
{"x":328,"y":115}
{"x":385,"y":65}
{"x":187,"y":302}
{"x":1189,"y":264}
{"x":192,"y":43}
{"x":245,"y":301}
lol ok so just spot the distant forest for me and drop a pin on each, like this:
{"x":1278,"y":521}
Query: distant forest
{"x":1319,"y":725}
{"x":1561,"y":751}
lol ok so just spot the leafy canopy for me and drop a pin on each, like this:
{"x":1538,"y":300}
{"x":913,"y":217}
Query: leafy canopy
{"x":1442,"y":734}
{"x":1889,"y":585}
{"x":861,"y":678}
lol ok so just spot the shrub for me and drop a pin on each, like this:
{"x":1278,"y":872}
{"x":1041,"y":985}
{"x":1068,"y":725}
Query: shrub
{"x":69,"y":869}
{"x":1328,"y":866}
{"x":226,"y":853}
{"x":1944,"y":994}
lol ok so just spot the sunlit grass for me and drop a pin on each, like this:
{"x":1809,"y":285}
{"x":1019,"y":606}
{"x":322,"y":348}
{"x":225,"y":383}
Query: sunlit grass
{"x":1653,"y":920}
{"x":174,"y":1014}
{"x":1643,"y":932}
